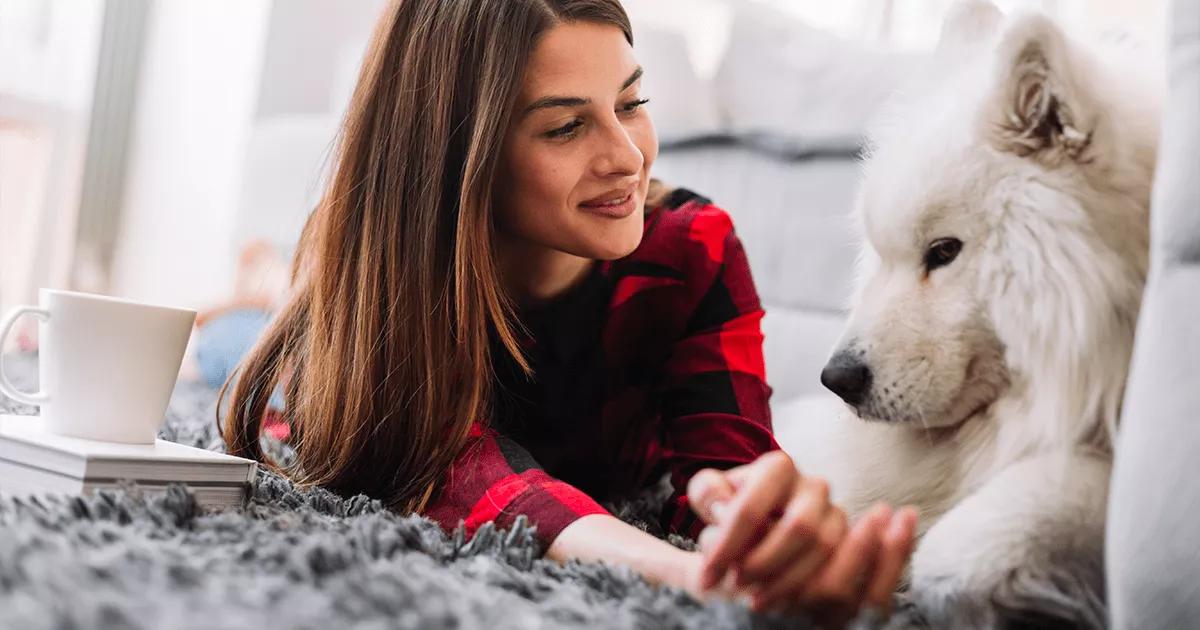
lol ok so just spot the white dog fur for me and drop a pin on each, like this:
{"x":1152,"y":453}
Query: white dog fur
{"x":996,"y":380}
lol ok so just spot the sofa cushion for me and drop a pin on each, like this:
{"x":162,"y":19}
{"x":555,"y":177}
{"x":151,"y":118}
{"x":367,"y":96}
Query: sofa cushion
{"x":780,"y":75}
{"x":792,"y":215}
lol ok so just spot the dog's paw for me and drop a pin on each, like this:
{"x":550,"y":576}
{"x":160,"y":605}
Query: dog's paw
{"x":1026,"y":597}
{"x":1050,"y":598}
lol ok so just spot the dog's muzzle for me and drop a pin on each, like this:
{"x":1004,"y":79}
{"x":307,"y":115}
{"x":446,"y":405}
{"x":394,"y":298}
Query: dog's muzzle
{"x":847,"y":376}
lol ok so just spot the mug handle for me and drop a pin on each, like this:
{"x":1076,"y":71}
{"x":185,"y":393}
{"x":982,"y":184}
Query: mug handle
{"x":6,"y":387}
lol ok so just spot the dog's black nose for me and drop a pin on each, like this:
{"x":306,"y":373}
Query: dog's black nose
{"x":848,"y":377}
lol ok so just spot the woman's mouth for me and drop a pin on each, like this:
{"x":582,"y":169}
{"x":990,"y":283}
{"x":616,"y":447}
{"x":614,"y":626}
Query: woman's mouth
{"x":614,"y":204}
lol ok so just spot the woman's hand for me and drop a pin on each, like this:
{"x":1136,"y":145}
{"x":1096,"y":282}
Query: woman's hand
{"x":775,"y":534}
{"x":864,"y":570}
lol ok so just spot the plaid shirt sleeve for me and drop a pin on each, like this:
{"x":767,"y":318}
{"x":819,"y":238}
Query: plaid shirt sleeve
{"x":715,"y":395}
{"x":495,"y":479}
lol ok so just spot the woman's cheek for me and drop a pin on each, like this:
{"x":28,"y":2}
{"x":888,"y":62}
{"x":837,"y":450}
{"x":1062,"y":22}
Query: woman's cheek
{"x":551,"y":175}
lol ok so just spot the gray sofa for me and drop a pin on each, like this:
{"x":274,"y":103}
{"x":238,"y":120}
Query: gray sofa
{"x":1153,"y":549}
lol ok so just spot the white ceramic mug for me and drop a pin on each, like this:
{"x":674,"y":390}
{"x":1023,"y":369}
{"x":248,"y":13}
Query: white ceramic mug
{"x":107,"y":366}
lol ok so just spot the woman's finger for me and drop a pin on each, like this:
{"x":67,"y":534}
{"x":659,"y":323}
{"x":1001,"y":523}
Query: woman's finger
{"x":791,"y":536}
{"x":841,"y":581}
{"x":831,"y":532}
{"x":706,"y":489}
{"x":766,"y":489}
{"x":707,"y":538}
{"x":896,"y":547}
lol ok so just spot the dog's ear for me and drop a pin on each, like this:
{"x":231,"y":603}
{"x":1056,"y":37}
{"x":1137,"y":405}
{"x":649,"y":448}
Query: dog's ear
{"x":968,"y":24}
{"x":1038,"y":108}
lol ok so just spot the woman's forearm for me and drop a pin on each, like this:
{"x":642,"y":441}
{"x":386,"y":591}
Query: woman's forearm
{"x":604,"y":537}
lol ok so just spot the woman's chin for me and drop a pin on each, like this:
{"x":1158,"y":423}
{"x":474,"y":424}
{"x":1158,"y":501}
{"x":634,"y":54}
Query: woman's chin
{"x":620,"y":242}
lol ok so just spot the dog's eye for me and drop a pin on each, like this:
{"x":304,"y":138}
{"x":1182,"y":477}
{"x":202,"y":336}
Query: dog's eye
{"x":941,"y":253}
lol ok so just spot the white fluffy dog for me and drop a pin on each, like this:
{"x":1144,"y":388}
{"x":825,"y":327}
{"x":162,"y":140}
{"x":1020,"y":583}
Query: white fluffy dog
{"x":1004,"y":206}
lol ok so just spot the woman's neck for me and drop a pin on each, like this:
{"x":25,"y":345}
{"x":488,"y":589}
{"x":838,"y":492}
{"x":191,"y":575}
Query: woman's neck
{"x":535,"y":275}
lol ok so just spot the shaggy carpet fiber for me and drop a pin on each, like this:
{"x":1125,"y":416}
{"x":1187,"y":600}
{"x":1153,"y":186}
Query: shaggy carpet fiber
{"x":297,"y":558}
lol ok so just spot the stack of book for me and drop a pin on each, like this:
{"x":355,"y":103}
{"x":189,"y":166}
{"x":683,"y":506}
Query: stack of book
{"x":33,"y":461}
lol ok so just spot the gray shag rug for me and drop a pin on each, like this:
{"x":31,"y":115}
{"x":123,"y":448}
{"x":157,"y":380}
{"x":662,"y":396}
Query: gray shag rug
{"x":301,"y":559}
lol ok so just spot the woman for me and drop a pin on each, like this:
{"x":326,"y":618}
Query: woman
{"x":490,"y":318}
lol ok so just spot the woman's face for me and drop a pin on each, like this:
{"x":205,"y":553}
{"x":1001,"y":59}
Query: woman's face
{"x":576,"y":158}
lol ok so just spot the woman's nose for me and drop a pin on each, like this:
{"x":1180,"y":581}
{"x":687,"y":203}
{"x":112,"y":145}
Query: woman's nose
{"x":620,"y":155}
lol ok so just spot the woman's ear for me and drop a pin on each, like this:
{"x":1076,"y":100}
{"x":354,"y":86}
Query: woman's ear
{"x":1039,"y":107}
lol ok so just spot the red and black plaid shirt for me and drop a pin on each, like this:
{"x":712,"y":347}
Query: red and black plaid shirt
{"x":653,"y":366}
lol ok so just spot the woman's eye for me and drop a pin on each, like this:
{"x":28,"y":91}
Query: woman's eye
{"x":566,"y":130}
{"x":942,"y":252}
{"x":633,"y":106}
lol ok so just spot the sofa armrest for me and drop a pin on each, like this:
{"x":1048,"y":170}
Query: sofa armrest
{"x":1153,"y":546}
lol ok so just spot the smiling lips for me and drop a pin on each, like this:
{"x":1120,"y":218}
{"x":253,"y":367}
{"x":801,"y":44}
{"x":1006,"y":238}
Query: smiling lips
{"x":614,"y":204}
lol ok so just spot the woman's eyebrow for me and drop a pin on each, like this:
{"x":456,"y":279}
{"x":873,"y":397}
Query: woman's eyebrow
{"x":547,"y":102}
{"x":637,"y":74}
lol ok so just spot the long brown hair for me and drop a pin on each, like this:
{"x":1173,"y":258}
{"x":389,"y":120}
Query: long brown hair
{"x":383,"y":345}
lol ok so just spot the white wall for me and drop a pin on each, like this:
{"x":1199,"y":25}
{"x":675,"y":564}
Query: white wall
{"x":47,"y":68}
{"x":215,"y":160}
{"x":196,"y":104}
{"x":313,"y":52}
{"x":306,"y":42}
{"x":48,"y":51}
